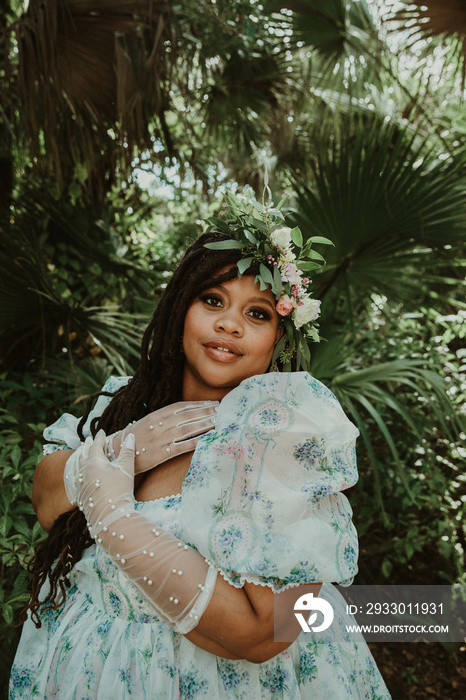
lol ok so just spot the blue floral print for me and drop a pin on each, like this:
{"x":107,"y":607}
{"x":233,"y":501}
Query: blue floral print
{"x":258,"y":501}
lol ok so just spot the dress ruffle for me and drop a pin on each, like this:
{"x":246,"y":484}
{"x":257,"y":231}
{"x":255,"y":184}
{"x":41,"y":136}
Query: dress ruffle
{"x":263,"y":495}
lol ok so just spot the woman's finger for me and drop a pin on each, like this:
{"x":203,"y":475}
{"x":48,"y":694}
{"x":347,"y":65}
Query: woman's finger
{"x":186,"y":406}
{"x":198,"y":427}
{"x":179,"y":448}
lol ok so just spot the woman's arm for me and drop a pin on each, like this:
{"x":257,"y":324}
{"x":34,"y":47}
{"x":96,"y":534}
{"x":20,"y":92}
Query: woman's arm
{"x":239,"y":623}
{"x":49,"y":498}
{"x":180,"y":584}
{"x":166,"y":433}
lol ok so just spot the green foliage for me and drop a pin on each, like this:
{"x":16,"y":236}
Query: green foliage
{"x":26,"y":409}
{"x":411,"y":458}
{"x":362,"y":131}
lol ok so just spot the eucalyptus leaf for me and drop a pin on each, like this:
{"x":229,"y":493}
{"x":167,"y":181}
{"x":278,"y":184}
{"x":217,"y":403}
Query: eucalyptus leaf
{"x":279,"y":348}
{"x":266,"y":274}
{"x":219,"y":224}
{"x":308,"y":266}
{"x":320,"y":239}
{"x":314,"y":255}
{"x":277,"y":213}
{"x":257,"y":205}
{"x":262,"y":284}
{"x":243,"y":265}
{"x":224,"y":245}
{"x":277,"y":282}
{"x":251,"y":238}
{"x":297,"y":236}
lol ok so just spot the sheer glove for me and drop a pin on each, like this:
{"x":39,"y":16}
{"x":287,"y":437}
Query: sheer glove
{"x":174,"y":578}
{"x":168,"y":432}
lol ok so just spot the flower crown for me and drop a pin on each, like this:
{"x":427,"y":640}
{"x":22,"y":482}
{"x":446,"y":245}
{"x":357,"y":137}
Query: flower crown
{"x":257,"y":230}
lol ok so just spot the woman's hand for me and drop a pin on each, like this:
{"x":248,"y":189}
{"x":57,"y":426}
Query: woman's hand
{"x":168,"y":432}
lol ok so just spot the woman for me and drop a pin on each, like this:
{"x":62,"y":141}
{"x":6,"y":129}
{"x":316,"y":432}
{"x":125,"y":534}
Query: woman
{"x":177,"y":596}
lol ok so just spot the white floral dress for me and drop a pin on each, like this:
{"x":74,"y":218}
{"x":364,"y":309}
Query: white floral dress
{"x":262,"y":499}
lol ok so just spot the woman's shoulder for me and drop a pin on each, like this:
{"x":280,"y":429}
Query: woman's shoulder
{"x":278,"y":382}
{"x":282,"y":393}
{"x":63,"y":434}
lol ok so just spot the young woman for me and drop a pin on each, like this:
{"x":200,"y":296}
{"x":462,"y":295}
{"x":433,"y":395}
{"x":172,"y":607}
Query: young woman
{"x":163,"y":573}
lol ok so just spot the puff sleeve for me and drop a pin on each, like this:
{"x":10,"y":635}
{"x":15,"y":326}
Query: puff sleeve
{"x":262,"y":498}
{"x":63,"y":434}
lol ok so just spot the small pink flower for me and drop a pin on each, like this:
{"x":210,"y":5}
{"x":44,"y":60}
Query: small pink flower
{"x":306,"y":280}
{"x":284,"y":305}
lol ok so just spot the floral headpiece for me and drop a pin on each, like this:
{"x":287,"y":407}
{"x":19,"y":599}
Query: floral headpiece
{"x":257,"y":230}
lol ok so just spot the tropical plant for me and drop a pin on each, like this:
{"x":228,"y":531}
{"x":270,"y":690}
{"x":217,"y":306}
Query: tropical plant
{"x":359,"y":120}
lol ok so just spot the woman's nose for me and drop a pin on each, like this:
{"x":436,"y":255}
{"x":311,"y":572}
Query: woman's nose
{"x":229,"y":322}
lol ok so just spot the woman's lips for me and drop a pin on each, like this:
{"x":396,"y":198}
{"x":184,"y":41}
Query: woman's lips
{"x":222,"y":350}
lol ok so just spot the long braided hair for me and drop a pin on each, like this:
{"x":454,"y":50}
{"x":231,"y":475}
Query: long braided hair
{"x":156,"y":383}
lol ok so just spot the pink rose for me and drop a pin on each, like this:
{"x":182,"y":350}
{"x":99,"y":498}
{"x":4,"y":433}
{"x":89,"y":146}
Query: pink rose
{"x":284,"y":305}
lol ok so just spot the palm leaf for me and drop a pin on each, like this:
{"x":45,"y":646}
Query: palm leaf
{"x":382,"y":391}
{"x":84,"y":72}
{"x":391,"y":207}
{"x":434,"y":25}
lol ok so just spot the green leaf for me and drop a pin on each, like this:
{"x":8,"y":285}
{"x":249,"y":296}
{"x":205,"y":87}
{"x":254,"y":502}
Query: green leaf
{"x":315,"y":256}
{"x":243,"y":265}
{"x":5,"y":525}
{"x":320,"y":239}
{"x":266,"y":274}
{"x":251,"y":238}
{"x":307,"y":266}
{"x":387,"y":567}
{"x":282,"y":202}
{"x":224,"y":245}
{"x":7,"y":612}
{"x":275,"y":212}
{"x":297,"y":236}
{"x":262,"y":284}
{"x":279,"y":347}
{"x":15,"y":455}
{"x":220,"y":225}
{"x":277,"y":282}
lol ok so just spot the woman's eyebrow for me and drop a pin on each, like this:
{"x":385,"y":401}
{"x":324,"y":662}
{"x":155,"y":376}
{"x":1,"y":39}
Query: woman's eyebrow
{"x":262,"y":300}
{"x":253,"y":300}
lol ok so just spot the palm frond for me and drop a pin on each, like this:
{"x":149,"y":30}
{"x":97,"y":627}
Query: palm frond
{"x":392,"y":207}
{"x":386,"y":394}
{"x":434,"y":23}
{"x":88,"y":75}
{"x":81,"y":378}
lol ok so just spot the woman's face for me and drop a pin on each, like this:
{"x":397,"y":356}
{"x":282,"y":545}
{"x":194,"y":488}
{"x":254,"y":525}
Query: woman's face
{"x":229,"y":335}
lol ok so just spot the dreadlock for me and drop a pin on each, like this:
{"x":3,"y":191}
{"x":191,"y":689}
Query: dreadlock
{"x":156,"y":383}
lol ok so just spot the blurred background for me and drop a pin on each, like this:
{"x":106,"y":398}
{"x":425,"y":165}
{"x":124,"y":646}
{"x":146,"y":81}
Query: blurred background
{"x":121,"y":122}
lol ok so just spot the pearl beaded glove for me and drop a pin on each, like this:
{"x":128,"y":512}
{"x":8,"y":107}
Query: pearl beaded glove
{"x":176,"y":580}
{"x":71,"y":474}
{"x":168,"y":432}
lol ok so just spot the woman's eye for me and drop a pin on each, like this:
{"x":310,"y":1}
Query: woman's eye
{"x":211,"y":299}
{"x":260,"y":314}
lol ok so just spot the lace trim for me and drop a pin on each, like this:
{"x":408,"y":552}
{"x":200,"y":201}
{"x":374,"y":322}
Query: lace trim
{"x":266,"y":584}
{"x":162,"y":498}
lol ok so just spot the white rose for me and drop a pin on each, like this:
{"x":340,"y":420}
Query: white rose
{"x":306,"y":311}
{"x":281,"y":237}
